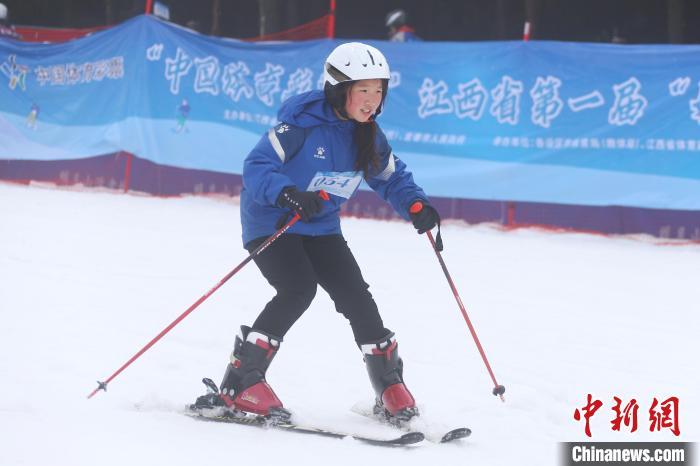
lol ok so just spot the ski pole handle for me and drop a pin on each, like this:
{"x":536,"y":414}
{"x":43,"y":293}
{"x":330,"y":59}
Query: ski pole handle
{"x":415,"y":208}
{"x":285,"y":216}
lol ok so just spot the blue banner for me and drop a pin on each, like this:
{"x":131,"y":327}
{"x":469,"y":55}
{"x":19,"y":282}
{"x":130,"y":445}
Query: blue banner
{"x":571,"y":123}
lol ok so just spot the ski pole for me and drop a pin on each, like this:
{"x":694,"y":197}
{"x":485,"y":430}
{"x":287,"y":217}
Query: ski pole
{"x":498,"y":389}
{"x":258,"y":250}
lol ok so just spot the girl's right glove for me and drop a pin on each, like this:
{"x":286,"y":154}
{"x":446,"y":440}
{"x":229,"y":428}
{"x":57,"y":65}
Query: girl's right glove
{"x":305,"y":203}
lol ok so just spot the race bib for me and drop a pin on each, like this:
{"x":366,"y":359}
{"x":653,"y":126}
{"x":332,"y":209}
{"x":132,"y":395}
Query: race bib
{"x":342,"y":184}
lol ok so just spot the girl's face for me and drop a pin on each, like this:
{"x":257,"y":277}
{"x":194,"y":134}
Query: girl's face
{"x":363,"y":99}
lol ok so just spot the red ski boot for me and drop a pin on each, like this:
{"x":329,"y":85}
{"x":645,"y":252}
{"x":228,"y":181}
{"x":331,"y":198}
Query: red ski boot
{"x":394,"y":402}
{"x":244,"y":386}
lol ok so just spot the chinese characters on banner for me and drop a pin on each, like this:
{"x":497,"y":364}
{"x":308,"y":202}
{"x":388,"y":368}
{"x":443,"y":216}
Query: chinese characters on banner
{"x":471,"y":100}
{"x":64,"y":74}
{"x":509,"y":103}
{"x":662,"y":414}
{"x":236,"y":80}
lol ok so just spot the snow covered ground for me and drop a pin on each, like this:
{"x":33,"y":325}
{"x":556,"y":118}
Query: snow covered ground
{"x":87,"y":278}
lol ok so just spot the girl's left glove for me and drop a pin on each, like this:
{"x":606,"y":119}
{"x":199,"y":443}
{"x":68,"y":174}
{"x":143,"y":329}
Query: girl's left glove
{"x":424,"y":216}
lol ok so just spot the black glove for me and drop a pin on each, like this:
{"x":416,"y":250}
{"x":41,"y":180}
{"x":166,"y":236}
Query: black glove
{"x":305,"y":203}
{"x":424,"y":216}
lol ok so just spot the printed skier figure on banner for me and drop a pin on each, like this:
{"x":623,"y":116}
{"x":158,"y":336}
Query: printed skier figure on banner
{"x":32,"y":116}
{"x":183,"y":112}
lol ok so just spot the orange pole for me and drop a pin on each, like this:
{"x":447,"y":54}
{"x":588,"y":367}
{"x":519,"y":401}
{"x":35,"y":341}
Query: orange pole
{"x":510,"y":219}
{"x":127,"y":171}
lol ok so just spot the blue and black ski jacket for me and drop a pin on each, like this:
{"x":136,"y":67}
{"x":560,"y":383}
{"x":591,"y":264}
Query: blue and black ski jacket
{"x":313,"y":149}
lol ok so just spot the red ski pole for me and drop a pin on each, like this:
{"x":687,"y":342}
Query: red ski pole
{"x":258,"y":250}
{"x":498,"y":389}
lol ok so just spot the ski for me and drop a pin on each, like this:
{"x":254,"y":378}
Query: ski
{"x":456,"y":434}
{"x":449,"y":436}
{"x":408,"y":438}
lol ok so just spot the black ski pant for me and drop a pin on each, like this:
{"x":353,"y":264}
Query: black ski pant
{"x":295,"y":264}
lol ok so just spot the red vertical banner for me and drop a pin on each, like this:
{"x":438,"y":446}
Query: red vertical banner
{"x":510,"y":215}
{"x":149,"y":7}
{"x":127,"y":171}
{"x":331,"y":21}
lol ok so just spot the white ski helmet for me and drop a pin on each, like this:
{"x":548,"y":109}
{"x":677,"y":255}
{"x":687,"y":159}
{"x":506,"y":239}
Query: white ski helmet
{"x":355,"y":61}
{"x":351,"y":62}
{"x":3,"y":11}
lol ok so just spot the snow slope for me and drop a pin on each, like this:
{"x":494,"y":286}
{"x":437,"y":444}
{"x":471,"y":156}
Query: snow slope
{"x":87,"y":278}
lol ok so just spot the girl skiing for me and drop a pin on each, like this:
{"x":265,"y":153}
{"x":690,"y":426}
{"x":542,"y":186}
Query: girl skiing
{"x":325,"y":140}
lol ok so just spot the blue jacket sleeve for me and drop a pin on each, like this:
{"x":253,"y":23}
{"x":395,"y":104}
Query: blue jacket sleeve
{"x":394,"y":183}
{"x":262,"y":169}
